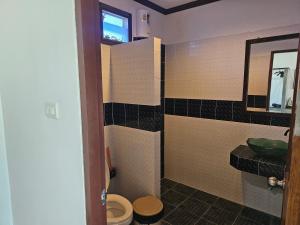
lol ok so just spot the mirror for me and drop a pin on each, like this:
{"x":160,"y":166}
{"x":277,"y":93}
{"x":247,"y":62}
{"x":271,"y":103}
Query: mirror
{"x":270,"y":69}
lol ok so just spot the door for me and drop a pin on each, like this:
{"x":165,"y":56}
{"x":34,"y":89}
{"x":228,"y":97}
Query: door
{"x":89,"y":59}
{"x":291,"y":203}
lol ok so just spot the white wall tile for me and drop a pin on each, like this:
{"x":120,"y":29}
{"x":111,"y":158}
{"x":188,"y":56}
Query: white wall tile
{"x":135,"y":72}
{"x":211,"y":68}
{"x":136,"y":156}
{"x":106,"y":75}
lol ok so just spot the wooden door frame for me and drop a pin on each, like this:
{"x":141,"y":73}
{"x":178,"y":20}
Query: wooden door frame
{"x":89,"y":60}
{"x":291,"y":201}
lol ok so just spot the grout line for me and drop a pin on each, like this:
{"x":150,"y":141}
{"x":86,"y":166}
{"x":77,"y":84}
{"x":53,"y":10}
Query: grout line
{"x":113,"y":118}
{"x":232,"y":111}
{"x":124,"y":106}
{"x":187,"y":107}
{"x":174,"y":106}
{"x":200,"y":108}
{"x":216,"y":106}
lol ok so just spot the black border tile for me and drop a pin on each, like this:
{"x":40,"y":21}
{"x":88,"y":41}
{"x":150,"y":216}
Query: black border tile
{"x":281,"y":121}
{"x":181,"y":107}
{"x":119,"y":114}
{"x":169,"y":106}
{"x":260,"y":101}
{"x":224,"y":110}
{"x":132,"y":115}
{"x":208,"y":109}
{"x":258,"y":118}
{"x":194,"y":108}
{"x":108,"y":114}
{"x":147,"y":117}
{"x":250,"y":101}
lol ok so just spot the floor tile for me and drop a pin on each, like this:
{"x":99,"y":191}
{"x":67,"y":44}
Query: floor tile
{"x":173,"y":197}
{"x":228,"y":205}
{"x":181,"y":217}
{"x":168,"y":184}
{"x":163,"y":189}
{"x":187,"y":206}
{"x":257,"y":216}
{"x":168,"y":208}
{"x":205,"y":222}
{"x":275,"y":221}
{"x":245,"y":221}
{"x":220,"y":216}
{"x":195,"y":206}
{"x":183,"y":189}
{"x":205,"y":197}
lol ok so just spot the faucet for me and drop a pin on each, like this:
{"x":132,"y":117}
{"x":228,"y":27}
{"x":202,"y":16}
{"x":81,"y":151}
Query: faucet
{"x":286,"y":132}
{"x":274,"y":182}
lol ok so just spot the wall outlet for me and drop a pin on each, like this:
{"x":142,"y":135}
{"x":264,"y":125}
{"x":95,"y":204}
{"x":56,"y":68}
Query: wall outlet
{"x":52,"y":110}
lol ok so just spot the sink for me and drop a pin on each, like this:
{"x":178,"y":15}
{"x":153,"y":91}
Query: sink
{"x":268,"y":147}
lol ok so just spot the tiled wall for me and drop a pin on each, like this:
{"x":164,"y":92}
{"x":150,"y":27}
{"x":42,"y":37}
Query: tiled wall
{"x":257,"y":101}
{"x":106,"y":75}
{"x":136,"y":156}
{"x":197,"y":153}
{"x":206,"y":119}
{"x":225,"y":110}
{"x":132,"y":115}
{"x":211,"y":68}
{"x":135,"y":72}
{"x":143,"y":117}
{"x":259,"y":74}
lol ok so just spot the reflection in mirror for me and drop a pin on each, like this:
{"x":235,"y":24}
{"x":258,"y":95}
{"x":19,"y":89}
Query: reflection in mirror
{"x":270,"y":73}
{"x":282,"y":80}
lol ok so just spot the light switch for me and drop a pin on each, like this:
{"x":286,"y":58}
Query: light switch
{"x":52,"y":110}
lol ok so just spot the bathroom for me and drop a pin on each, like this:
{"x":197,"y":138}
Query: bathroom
{"x":183,"y":94}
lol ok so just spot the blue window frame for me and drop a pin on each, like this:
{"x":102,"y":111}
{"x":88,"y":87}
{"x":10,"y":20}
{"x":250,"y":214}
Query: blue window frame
{"x":116,"y":25}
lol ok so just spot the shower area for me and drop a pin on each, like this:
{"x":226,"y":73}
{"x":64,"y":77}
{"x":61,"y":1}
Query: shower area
{"x":132,"y":111}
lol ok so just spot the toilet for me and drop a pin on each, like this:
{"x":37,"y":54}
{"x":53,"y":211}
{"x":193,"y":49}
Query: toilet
{"x":118,"y":209}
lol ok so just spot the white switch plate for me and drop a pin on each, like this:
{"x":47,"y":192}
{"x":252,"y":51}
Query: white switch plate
{"x":52,"y":110}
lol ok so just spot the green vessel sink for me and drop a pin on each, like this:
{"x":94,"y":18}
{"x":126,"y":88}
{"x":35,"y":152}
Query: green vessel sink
{"x":268,"y":147}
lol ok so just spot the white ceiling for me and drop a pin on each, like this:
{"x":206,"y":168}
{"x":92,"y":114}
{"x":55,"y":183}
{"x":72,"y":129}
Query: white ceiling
{"x":170,"y":3}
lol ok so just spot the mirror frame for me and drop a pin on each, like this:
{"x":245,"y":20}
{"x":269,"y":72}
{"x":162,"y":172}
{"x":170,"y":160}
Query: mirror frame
{"x":247,"y":65}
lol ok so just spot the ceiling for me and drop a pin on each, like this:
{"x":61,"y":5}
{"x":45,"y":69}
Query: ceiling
{"x":170,"y":3}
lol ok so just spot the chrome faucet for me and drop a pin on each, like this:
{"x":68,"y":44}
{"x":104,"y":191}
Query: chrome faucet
{"x":274,"y":182}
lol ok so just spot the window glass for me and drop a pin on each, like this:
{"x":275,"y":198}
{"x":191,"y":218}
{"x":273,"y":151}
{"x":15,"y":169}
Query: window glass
{"x":115,"y":27}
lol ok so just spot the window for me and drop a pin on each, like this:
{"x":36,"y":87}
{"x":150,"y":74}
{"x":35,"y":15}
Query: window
{"x":116,"y":25}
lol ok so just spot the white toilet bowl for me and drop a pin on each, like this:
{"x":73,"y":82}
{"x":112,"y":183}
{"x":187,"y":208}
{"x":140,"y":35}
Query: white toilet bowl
{"x":119,"y":210}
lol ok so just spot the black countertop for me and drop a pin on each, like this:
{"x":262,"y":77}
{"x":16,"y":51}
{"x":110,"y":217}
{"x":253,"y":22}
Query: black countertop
{"x":244,"y":159}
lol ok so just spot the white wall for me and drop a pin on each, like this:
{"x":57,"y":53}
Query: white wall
{"x":39,"y":64}
{"x":228,"y":17}
{"x":5,"y":203}
{"x":156,"y":21}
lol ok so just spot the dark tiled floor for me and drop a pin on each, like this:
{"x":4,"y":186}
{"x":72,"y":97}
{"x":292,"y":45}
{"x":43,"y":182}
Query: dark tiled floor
{"x":187,"y":206}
